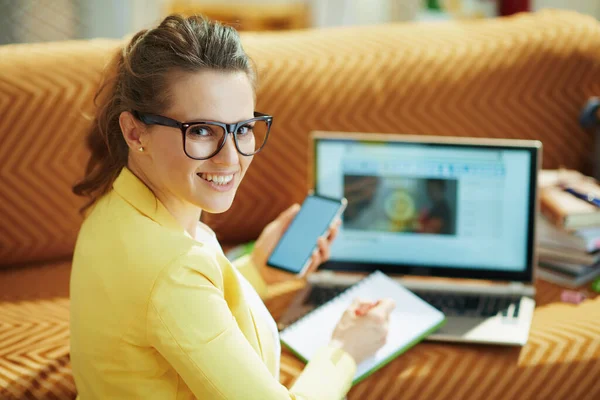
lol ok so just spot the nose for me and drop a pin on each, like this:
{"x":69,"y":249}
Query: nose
{"x":228,"y":155}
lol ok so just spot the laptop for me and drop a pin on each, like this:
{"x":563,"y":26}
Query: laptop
{"x":452,"y":219}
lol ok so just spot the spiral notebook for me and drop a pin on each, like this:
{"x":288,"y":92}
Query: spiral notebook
{"x":411,"y":321}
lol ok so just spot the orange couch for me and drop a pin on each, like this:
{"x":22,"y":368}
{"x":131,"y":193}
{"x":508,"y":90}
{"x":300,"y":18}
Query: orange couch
{"x":526,"y":76}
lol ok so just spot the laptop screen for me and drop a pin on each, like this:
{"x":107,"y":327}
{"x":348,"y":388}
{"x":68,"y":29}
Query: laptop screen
{"x":443,"y":209}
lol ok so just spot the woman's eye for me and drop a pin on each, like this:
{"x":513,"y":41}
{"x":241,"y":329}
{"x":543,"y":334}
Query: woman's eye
{"x":245,"y":129}
{"x":201,"y":131}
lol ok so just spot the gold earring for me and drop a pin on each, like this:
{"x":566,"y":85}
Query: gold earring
{"x":141,"y":149}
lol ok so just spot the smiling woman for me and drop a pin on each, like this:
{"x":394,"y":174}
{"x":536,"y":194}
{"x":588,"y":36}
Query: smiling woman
{"x":220,"y":81}
{"x":157,"y":310}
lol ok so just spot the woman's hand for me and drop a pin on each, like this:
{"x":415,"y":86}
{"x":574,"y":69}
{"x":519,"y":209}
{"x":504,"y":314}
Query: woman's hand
{"x":272,"y":234}
{"x":363,"y":328}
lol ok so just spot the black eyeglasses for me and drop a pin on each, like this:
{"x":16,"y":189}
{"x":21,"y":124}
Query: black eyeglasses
{"x":204,"y":139}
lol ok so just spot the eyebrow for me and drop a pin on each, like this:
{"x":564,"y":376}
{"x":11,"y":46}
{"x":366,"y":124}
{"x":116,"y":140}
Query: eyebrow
{"x":215,"y":120}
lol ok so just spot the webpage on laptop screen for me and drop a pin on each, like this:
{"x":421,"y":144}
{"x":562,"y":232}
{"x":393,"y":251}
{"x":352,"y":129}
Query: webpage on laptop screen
{"x":429,"y":205}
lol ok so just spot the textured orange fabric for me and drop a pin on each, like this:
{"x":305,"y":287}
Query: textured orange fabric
{"x":34,"y":350}
{"x":45,"y":91}
{"x":520,"y":77}
{"x":561,"y":360}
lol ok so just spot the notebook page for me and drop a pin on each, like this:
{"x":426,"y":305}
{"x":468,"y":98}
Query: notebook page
{"x":409,"y":321}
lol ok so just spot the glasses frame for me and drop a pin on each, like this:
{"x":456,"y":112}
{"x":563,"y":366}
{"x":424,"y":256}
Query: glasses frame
{"x":154,"y":119}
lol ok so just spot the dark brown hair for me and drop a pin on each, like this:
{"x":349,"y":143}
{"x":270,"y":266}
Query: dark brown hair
{"x":138,"y":79}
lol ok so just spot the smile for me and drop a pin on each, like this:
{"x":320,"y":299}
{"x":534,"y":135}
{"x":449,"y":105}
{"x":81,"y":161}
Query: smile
{"x":217,"y":179}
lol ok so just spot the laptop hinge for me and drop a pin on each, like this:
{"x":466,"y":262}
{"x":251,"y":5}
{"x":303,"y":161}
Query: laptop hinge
{"x":511,"y":288}
{"x":522,"y":289}
{"x":505,"y":288}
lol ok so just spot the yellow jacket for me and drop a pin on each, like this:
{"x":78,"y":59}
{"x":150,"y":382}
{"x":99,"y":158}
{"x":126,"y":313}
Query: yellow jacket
{"x":156,"y":314}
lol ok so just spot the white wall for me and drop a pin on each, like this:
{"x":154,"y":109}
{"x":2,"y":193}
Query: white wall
{"x":29,"y":21}
{"x":590,"y":7}
{"x":105,"y":18}
{"x":117,"y":18}
{"x":362,"y":12}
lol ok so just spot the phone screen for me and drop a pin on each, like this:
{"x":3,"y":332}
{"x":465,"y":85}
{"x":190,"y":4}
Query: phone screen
{"x":299,"y":241}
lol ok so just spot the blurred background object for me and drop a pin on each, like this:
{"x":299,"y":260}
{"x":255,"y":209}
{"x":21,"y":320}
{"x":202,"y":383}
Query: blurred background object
{"x":24,"y":21}
{"x":248,"y":15}
{"x":28,"y":21}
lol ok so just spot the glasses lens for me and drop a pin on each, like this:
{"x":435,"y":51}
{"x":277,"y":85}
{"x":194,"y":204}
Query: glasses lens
{"x":203,"y":140}
{"x":252,"y":136}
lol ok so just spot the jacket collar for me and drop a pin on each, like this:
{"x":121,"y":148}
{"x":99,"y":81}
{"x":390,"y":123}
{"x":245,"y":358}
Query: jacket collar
{"x":135,"y":192}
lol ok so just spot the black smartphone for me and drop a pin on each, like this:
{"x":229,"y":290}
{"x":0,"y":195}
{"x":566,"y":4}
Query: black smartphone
{"x":294,"y":250}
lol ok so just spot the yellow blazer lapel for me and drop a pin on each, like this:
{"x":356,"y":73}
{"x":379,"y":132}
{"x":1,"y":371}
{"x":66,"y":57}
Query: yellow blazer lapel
{"x":254,"y":328}
{"x":265,"y":337}
{"x":240,"y":309}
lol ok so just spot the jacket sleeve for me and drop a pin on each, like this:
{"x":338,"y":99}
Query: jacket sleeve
{"x":191,"y":325}
{"x":247,"y":268}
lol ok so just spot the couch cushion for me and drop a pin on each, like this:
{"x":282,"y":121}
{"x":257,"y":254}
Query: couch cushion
{"x":38,"y":281}
{"x":34,"y":333}
{"x":45,"y":92}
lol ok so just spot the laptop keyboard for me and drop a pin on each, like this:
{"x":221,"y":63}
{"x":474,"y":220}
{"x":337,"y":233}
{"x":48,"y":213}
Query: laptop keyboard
{"x":450,"y":304}
{"x":472,"y":305}
{"x":322,"y":294}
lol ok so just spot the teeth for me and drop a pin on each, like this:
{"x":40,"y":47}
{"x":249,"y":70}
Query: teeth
{"x":218,"y":179}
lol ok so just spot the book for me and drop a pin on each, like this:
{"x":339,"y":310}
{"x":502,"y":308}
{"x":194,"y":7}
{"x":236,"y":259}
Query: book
{"x":583,"y":240}
{"x":410,"y":322}
{"x":562,"y":254}
{"x":568,"y":268}
{"x":566,"y":210}
{"x":565,"y":279}
{"x":555,"y":177}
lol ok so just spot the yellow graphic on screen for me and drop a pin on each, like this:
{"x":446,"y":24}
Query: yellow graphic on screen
{"x":399,"y":208}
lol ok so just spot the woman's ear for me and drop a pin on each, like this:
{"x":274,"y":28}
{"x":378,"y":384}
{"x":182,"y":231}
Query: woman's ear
{"x":132,"y":130}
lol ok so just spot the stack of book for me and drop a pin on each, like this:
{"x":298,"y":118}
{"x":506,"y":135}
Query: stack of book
{"x":568,"y":229}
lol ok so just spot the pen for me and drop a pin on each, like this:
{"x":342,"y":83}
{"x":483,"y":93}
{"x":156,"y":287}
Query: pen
{"x":590,"y":198}
{"x":364,"y":308}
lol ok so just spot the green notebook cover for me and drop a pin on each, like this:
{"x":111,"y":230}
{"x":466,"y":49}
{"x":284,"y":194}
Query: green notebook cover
{"x":411,"y":321}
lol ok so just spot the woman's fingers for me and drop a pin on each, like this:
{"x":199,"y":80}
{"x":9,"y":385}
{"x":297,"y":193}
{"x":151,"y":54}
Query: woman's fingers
{"x":324,"y":249}
{"x":358,"y":302}
{"x":319,"y":255}
{"x":315,"y":262}
{"x":382,"y":310}
{"x":334,"y":230}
